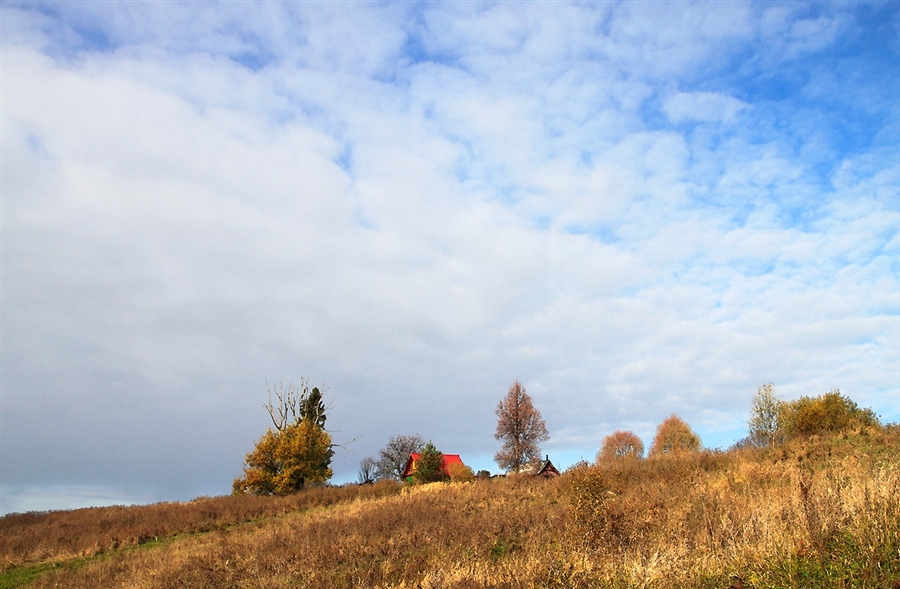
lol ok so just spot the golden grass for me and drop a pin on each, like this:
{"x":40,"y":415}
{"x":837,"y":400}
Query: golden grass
{"x":62,"y":535}
{"x":823,"y":513}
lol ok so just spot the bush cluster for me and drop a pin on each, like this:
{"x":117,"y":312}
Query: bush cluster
{"x":829,"y":413}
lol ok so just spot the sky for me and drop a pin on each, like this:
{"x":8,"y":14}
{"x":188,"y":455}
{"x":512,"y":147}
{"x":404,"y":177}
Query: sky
{"x":635,"y":209}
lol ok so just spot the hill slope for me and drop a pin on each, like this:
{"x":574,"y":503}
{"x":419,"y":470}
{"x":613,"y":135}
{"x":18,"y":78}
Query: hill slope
{"x":821,"y":513}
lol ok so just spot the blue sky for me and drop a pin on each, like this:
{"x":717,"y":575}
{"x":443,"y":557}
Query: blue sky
{"x":635,"y":209}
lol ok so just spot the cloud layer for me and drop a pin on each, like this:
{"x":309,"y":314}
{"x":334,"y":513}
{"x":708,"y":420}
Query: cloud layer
{"x":634,"y":209}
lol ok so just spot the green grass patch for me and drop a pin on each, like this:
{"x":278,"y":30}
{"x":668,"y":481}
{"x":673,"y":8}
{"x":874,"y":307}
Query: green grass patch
{"x":21,"y":576}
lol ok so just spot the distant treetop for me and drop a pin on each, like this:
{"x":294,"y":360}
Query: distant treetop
{"x":673,"y":436}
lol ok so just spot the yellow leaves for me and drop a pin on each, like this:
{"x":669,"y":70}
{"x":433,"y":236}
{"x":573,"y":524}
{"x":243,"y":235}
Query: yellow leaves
{"x":831,"y":412}
{"x":460,"y":472}
{"x":284,"y":462}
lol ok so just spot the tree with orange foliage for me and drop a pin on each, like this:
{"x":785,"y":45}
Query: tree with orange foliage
{"x":673,"y":436}
{"x":298,"y":451}
{"x":520,"y":427}
{"x":460,"y":472}
{"x":284,"y":462}
{"x":620,"y":444}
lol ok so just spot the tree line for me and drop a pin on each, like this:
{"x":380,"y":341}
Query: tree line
{"x":772,"y":421}
{"x":298,"y":451}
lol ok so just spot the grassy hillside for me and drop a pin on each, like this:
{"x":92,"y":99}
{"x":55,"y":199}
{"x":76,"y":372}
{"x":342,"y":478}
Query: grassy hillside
{"x":821,"y":513}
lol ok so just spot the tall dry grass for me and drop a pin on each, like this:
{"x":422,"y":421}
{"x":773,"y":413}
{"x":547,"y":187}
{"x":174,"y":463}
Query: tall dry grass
{"x":61,"y":535}
{"x":823,"y":513}
{"x":428,"y":535}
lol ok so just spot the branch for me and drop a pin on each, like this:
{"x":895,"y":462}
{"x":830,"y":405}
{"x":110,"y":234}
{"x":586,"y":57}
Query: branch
{"x":343,"y":444}
{"x":281,"y":420}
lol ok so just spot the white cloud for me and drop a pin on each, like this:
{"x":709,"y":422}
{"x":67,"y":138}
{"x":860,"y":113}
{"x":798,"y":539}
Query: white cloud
{"x":702,"y":106}
{"x":416,"y":228}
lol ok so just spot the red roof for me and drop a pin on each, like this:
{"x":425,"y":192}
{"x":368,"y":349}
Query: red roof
{"x":446,"y":461}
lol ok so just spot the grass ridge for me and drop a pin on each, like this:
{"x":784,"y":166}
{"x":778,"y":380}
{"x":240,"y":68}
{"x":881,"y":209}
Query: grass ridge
{"x":814,"y":513}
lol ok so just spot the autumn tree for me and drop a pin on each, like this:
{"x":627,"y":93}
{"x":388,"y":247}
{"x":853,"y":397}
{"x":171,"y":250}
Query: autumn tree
{"x":460,"y":472}
{"x":831,"y":412}
{"x":620,"y":444}
{"x":392,"y":458}
{"x":766,"y":417}
{"x":520,"y":428}
{"x":284,"y":462}
{"x":673,"y":436}
{"x":430,"y":465}
{"x":297,"y":452}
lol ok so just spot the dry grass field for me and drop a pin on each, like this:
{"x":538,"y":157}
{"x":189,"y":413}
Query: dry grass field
{"x":811,"y":514}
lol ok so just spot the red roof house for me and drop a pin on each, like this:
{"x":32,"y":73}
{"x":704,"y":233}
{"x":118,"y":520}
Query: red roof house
{"x":446,"y":461}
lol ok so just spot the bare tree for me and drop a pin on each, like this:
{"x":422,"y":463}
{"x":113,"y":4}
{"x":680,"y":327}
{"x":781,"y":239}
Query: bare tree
{"x":392,"y":458}
{"x":368,"y":470}
{"x":294,"y":403}
{"x":520,"y":427}
{"x":765,"y":427}
{"x":620,"y":444}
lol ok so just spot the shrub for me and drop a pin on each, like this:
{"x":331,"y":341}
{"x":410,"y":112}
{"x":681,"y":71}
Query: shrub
{"x":832,"y":412}
{"x":588,"y":493}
